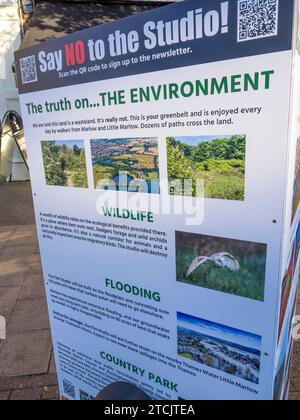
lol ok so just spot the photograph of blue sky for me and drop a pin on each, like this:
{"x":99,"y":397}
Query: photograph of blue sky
{"x":71,"y":143}
{"x":195,"y":140}
{"x":219,"y":331}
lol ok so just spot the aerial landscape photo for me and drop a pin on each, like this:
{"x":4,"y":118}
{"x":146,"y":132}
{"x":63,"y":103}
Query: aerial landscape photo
{"x":219,"y":161}
{"x":126,"y":164}
{"x":222,"y":264}
{"x":65,"y":163}
{"x":232,"y":351}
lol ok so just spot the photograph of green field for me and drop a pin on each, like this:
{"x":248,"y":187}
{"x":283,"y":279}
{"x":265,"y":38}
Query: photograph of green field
{"x":65,"y":163}
{"x":126,"y":164}
{"x":219,"y":161}
{"x":224,"y":265}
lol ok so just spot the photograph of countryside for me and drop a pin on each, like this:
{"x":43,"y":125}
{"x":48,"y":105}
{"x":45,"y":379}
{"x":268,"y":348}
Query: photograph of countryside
{"x":219,"y":161}
{"x":224,"y":265}
{"x":65,"y":163}
{"x":126,"y":164}
{"x":220,"y":347}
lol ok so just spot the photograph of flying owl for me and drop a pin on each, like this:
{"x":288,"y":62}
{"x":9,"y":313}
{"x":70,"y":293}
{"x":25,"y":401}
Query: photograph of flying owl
{"x":220,"y":259}
{"x":226,"y":265}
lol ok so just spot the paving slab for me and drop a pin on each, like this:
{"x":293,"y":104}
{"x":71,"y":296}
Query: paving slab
{"x":295,"y":385}
{"x":4,"y":395}
{"x":29,"y":394}
{"x":36,"y":265}
{"x":50,"y":393}
{"x":25,"y":353}
{"x":21,"y":253}
{"x":294,"y":396}
{"x":18,"y":209}
{"x":29,"y":315}
{"x":6,"y":233}
{"x":29,"y":381}
{"x":52,"y":367}
{"x":33,"y":287}
{"x":13,"y":273}
{"x":8,"y":299}
{"x":22,"y":233}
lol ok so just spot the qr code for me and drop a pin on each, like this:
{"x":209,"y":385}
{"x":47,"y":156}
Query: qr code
{"x":69,"y":389}
{"x":84,"y":396}
{"x":28,"y":70}
{"x":257,"y":19}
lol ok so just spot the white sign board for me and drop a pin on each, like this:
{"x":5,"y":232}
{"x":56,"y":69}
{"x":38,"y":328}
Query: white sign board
{"x":153,"y":276}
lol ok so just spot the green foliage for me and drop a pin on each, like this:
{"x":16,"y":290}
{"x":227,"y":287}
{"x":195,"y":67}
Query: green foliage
{"x":179,"y":166}
{"x":249,"y":282}
{"x":76,"y":150}
{"x":64,"y":166}
{"x":222,"y":166}
{"x":219,"y":163}
{"x":53,"y":171}
{"x":224,"y":149}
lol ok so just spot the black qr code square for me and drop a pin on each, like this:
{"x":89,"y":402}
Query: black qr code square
{"x":28,"y":70}
{"x":257,"y":19}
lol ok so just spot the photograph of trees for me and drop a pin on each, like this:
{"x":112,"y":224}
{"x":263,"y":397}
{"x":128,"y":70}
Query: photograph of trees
{"x":217,"y":160}
{"x":65,"y":163}
{"x":296,"y":187}
{"x":221,"y":264}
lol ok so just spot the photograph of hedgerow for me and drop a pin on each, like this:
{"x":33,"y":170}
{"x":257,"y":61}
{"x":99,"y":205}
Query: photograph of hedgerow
{"x":219,"y":161}
{"x":286,"y":289}
{"x":225,"y":265}
{"x":232,"y":351}
{"x":65,"y":163}
{"x":130,"y":164}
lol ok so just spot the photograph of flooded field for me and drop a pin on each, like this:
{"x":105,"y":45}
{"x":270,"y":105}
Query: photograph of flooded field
{"x":232,"y":351}
{"x":130,"y":164}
